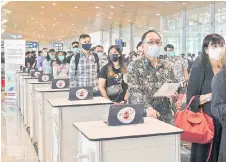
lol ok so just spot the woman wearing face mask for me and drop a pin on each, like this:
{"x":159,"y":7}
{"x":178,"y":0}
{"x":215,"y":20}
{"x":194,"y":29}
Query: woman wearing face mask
{"x":61,"y":68}
{"x":111,"y":83}
{"x":48,"y":60}
{"x":219,"y":104}
{"x":200,"y":86}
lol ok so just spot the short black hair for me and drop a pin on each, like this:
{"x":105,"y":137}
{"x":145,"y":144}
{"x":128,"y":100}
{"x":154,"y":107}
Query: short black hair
{"x":33,"y":52}
{"x":27,"y":53}
{"x":75,"y":42}
{"x":150,"y":31}
{"x":139,"y":44}
{"x":169,"y":46}
{"x":51,"y":50}
{"x":84,"y":36}
{"x":100,"y":46}
{"x":44,"y":49}
{"x":93,"y":49}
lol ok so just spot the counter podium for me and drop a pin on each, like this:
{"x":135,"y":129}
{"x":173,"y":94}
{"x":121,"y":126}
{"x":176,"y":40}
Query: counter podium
{"x":32,"y":84}
{"x":151,"y":141}
{"x":43,"y":115}
{"x":64,"y":114}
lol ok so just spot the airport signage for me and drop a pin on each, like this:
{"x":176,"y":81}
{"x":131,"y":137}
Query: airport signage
{"x":31,"y":44}
{"x":58,"y":44}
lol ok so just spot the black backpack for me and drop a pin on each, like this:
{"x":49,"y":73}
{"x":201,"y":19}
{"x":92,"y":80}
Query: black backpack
{"x":77,"y":57}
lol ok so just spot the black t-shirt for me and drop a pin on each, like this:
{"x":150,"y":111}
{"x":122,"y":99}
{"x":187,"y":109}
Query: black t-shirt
{"x":118,"y":79}
{"x":27,"y":60}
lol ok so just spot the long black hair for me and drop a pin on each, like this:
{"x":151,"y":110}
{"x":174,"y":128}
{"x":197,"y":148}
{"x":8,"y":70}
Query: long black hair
{"x":57,"y":58}
{"x":121,"y":61}
{"x":210,"y":39}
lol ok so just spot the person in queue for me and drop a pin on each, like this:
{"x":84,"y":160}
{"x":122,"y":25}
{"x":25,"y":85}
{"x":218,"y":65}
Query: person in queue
{"x":140,"y":50}
{"x":69,"y":56}
{"x":61,"y":68}
{"x":218,"y":104}
{"x":180,"y":66}
{"x":111,"y":75}
{"x":33,"y":57}
{"x":41,"y":58}
{"x":146,"y":75}
{"x":84,"y":66}
{"x":28,"y":59}
{"x":99,"y":50}
{"x":75,"y":50}
{"x":199,"y":85}
{"x":47,"y":63}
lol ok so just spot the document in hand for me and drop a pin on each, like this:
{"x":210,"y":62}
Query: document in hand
{"x":167,"y":89}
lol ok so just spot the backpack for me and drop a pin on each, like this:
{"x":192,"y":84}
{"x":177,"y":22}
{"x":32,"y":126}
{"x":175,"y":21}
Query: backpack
{"x":77,"y":57}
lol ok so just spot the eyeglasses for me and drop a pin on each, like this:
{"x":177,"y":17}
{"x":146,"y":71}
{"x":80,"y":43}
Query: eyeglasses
{"x":158,"y":43}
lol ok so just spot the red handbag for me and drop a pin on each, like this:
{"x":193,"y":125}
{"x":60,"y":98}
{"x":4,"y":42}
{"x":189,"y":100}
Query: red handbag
{"x":198,"y":127}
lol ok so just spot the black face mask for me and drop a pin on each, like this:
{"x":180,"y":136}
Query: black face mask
{"x":114,"y":57}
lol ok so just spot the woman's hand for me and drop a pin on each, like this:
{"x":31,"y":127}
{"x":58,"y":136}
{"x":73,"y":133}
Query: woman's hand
{"x":151,"y":112}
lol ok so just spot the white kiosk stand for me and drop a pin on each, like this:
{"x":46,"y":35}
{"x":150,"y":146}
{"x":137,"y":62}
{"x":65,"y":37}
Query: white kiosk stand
{"x":32,"y":84}
{"x":151,"y":141}
{"x":64,"y":137}
{"x":43,"y":115}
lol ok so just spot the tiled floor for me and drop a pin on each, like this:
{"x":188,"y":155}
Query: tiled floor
{"x":15,"y":143}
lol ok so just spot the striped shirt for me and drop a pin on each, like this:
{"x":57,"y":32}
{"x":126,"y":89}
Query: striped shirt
{"x":86,"y":73}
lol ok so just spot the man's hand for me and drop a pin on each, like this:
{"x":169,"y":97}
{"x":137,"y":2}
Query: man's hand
{"x":152,"y":113}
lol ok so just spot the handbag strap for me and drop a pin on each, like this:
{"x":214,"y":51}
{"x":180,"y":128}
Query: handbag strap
{"x":190,"y":102}
{"x":211,"y":145}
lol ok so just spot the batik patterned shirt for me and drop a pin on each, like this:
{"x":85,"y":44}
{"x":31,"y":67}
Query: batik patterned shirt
{"x":86,"y":73}
{"x":178,"y":65}
{"x":143,"y":82}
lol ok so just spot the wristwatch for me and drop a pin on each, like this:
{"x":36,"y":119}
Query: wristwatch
{"x":125,"y":101}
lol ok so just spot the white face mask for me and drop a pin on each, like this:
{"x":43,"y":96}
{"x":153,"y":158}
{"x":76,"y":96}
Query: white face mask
{"x":153,"y":51}
{"x":215,"y":53}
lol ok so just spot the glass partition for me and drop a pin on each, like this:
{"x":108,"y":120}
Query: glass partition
{"x":220,"y":18}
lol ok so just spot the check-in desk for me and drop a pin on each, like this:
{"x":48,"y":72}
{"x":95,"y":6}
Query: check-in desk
{"x":32,"y":84}
{"x":151,"y":141}
{"x":64,"y":114}
{"x":21,"y":91}
{"x":43,"y":115}
{"x":26,"y":98}
{"x":18,"y":73}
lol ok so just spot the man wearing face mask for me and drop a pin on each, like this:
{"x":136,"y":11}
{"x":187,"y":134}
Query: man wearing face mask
{"x":41,"y":58}
{"x":84,"y":66}
{"x":75,"y":50}
{"x":179,"y":65}
{"x":146,"y":75}
{"x":99,"y":50}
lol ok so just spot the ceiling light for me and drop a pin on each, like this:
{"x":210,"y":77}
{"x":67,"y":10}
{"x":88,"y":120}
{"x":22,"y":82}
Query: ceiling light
{"x":69,"y":29}
{"x":97,"y":15}
{"x":57,"y":22}
{"x":61,"y":15}
{"x":72,"y":24}
{"x":32,"y":18}
{"x":72,"y":14}
{"x":121,"y":6}
{"x":157,"y":14}
{"x":54,"y":25}
{"x":111,"y":13}
{"x":62,"y":31}
{"x":129,"y":20}
{"x":112,"y":6}
{"x":36,"y":22}
{"x":75,"y":7}
{"x":184,"y":3}
{"x":44,"y":30}
{"x":109,"y":17}
{"x":54,"y":4}
{"x":41,"y":12}
{"x":97,"y":7}
{"x":42,"y":7}
{"x":54,"y":18}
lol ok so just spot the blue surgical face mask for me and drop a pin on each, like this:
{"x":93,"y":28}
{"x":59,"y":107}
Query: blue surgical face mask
{"x":76,"y":50}
{"x":86,"y":47}
{"x":171,"y":54}
{"x":52,"y":57}
{"x":153,"y":51}
{"x":61,"y":58}
{"x":100,"y":54}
